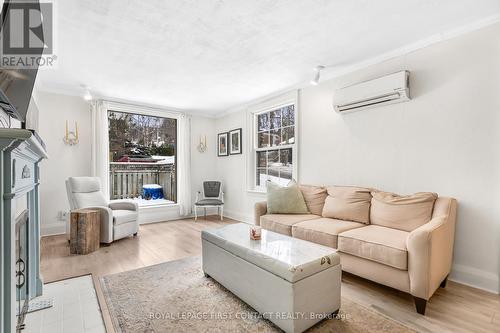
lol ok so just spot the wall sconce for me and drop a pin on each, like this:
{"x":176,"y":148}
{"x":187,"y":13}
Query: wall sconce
{"x":202,"y":145}
{"x":71,"y":137}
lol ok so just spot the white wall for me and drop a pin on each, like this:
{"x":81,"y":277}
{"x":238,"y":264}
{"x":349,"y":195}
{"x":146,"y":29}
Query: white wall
{"x":232,"y":170}
{"x":445,"y":140}
{"x":202,"y":164}
{"x":64,"y":160}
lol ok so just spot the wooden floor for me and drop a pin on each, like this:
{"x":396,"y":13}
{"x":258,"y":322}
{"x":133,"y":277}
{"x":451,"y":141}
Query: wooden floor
{"x":457,"y":308}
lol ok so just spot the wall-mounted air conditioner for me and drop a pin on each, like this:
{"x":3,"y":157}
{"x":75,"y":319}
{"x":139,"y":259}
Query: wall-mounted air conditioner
{"x":389,"y":89}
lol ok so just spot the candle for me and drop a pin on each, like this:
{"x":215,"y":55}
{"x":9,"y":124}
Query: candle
{"x":255,"y":232}
{"x":66,"y":130}
{"x":76,"y":130}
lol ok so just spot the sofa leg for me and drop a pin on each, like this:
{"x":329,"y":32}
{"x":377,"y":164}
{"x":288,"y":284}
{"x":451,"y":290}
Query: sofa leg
{"x":135,"y":235}
{"x":443,"y":283}
{"x":420,"y":305}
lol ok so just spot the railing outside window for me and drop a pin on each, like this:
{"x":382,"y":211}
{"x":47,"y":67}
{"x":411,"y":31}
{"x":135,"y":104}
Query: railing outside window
{"x":127,"y":179}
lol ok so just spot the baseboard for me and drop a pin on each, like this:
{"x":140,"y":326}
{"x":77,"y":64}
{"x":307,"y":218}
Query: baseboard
{"x":156,"y":214}
{"x":476,"y":278}
{"x":247,"y":218}
{"x":153,"y":214}
{"x":52,"y":229}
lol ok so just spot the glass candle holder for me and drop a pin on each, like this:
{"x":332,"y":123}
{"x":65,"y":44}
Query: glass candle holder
{"x":255,"y":232}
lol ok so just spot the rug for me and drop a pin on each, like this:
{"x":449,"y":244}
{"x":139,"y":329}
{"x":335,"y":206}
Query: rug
{"x":176,"y":297}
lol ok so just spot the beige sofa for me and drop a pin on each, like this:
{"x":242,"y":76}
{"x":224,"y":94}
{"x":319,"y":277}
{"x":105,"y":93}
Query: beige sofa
{"x":403,"y":242}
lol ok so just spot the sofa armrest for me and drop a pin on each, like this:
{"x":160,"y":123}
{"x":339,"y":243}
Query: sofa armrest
{"x":123,"y":205}
{"x":430,"y":249}
{"x":260,"y":209}
{"x":106,"y":222}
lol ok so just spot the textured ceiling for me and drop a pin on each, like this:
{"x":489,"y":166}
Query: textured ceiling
{"x":209,"y":56}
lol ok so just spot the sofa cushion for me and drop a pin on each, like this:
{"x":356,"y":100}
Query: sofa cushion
{"x":402,"y":212}
{"x":314,"y":197}
{"x":348,"y":203}
{"x":124,"y":216}
{"x":209,"y":202}
{"x":383,"y":245}
{"x":323,"y":231}
{"x":285,"y":199}
{"x":282,"y":223}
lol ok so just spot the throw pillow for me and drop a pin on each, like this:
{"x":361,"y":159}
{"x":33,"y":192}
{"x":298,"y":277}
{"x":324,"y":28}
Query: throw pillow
{"x":285,"y":200}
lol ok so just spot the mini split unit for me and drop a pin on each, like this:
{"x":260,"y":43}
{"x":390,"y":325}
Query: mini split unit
{"x":389,"y":89}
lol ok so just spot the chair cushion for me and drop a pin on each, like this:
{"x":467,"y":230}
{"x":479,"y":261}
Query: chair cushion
{"x":402,"y":212}
{"x":323,"y":231}
{"x":84,"y":184}
{"x":314,"y":196}
{"x":211,"y":189}
{"x":282,"y":223}
{"x":209,"y":202}
{"x":285,"y":199}
{"x":124,"y":216}
{"x":90,"y":199}
{"x":85,"y":192}
{"x":348,"y":203}
{"x":383,"y":245}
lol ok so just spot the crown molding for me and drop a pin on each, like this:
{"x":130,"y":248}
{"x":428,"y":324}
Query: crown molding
{"x":331,"y":74}
{"x":69,"y":90}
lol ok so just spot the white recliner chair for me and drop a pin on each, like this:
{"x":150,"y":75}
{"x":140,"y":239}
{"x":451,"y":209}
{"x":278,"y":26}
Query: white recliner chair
{"x":119,"y":218}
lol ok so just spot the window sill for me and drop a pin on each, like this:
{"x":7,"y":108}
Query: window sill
{"x":256,"y":191}
{"x":171,"y":205}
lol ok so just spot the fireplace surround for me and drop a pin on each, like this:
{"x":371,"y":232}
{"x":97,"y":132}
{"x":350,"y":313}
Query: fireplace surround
{"x":20,"y":279}
{"x":22,"y":263}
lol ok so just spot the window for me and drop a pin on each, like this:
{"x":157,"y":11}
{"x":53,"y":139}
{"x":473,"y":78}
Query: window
{"x":142,"y":158}
{"x":274,"y":145}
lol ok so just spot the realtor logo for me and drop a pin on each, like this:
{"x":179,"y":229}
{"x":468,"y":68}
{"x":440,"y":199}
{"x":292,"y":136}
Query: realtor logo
{"x":27,"y":35}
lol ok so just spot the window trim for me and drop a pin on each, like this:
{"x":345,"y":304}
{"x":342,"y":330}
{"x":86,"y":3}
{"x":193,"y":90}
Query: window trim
{"x":252,"y":113}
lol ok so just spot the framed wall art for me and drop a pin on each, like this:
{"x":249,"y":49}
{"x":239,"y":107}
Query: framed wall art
{"x":235,"y":142}
{"x":222,"y":144}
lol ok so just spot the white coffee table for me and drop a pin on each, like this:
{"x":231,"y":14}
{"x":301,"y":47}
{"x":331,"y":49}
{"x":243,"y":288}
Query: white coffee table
{"x":292,"y":282}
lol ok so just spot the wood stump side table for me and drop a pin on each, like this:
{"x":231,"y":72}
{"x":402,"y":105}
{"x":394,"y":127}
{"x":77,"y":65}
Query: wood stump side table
{"x":84,"y":231}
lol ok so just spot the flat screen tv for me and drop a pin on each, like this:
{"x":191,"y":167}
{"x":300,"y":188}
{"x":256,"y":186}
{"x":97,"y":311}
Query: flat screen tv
{"x":16,"y":84}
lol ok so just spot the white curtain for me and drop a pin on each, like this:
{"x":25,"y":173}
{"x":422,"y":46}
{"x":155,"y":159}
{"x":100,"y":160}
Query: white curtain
{"x":100,"y":144}
{"x":183,"y":165}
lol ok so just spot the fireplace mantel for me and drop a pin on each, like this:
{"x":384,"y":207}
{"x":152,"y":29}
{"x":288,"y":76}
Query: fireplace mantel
{"x":20,"y":154}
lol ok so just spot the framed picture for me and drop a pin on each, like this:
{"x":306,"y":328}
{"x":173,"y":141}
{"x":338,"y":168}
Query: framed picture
{"x":222,"y":144}
{"x":235,"y":142}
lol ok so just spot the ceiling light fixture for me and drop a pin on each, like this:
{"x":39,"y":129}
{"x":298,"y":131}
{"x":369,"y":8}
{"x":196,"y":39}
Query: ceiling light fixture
{"x":317,"y":69}
{"x":88,"y":95}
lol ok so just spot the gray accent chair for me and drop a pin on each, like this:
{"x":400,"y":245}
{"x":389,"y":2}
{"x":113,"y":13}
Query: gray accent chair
{"x":119,"y":218}
{"x":211,"y":197}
